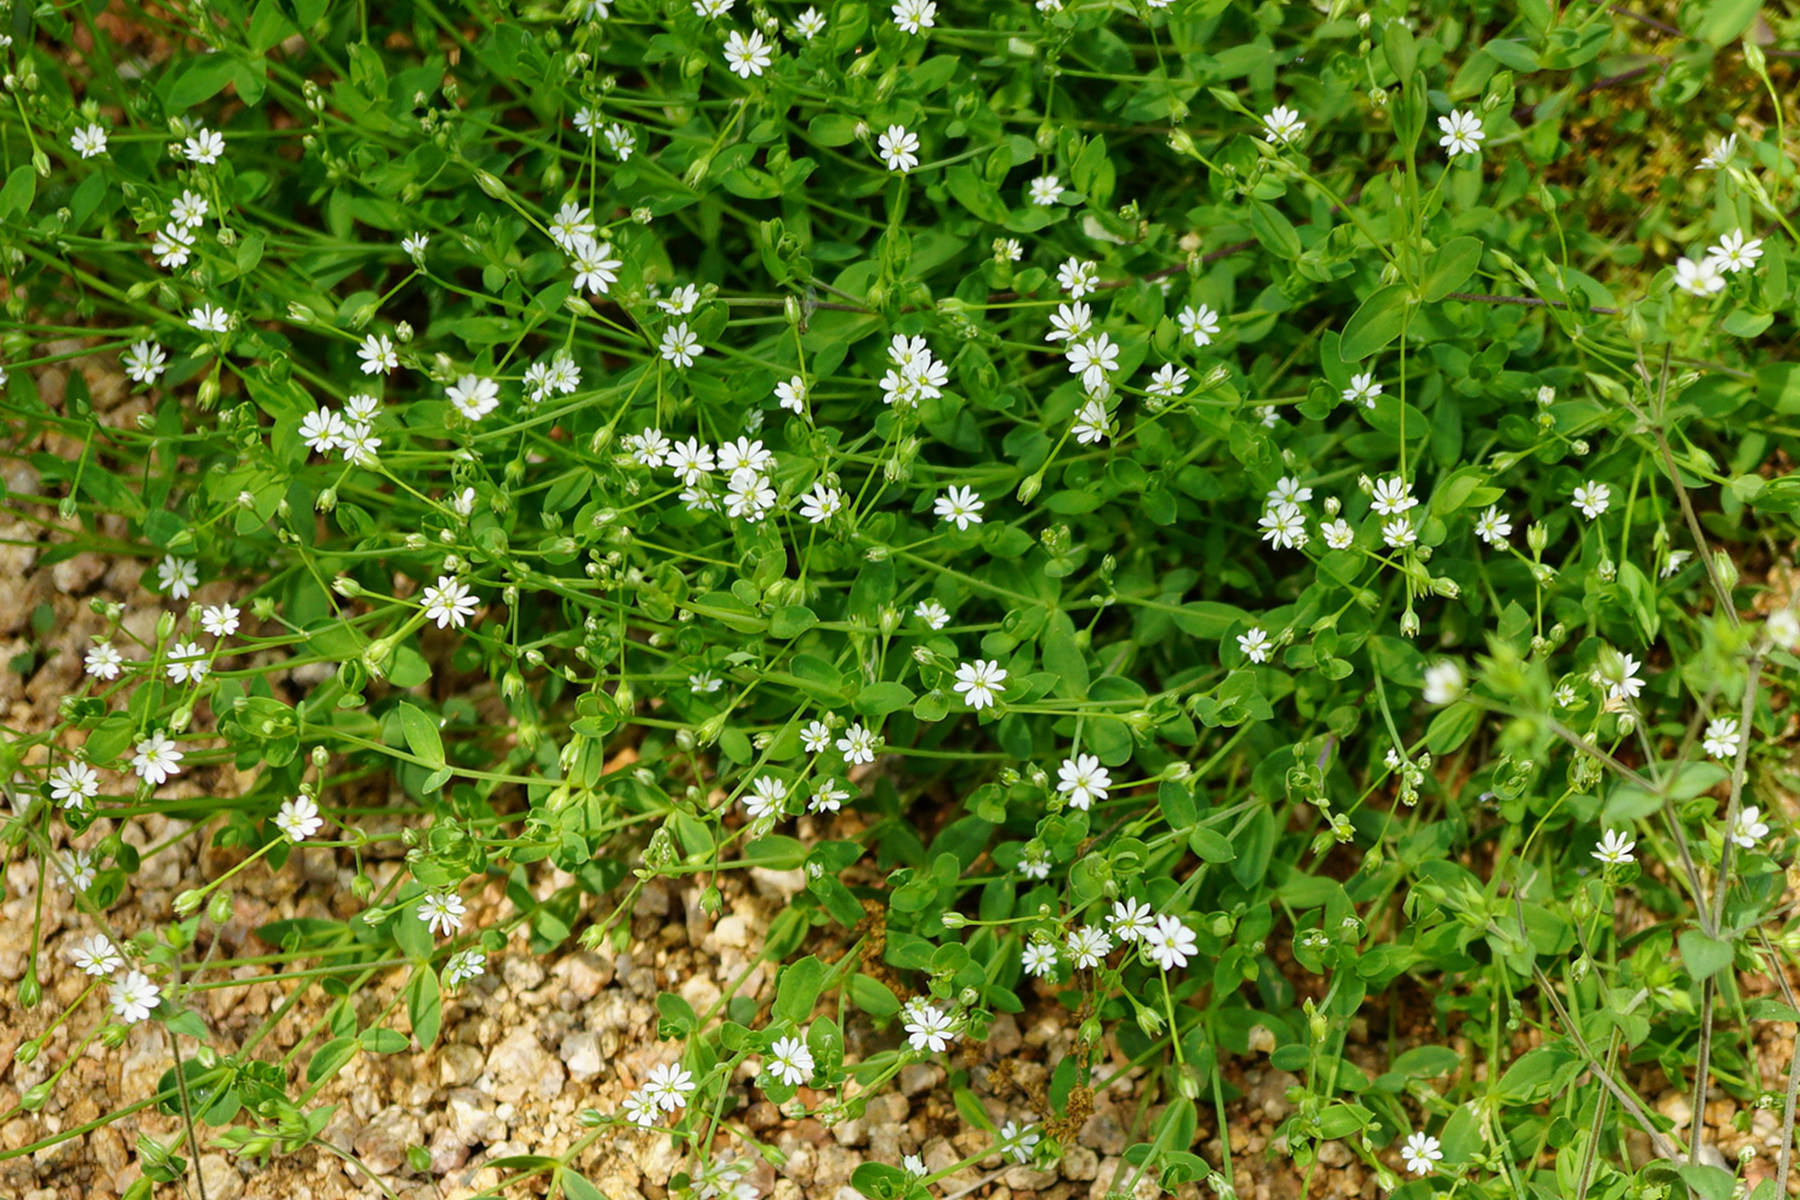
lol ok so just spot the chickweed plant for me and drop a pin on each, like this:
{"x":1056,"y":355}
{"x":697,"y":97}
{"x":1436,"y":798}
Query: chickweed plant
{"x":1217,"y":524}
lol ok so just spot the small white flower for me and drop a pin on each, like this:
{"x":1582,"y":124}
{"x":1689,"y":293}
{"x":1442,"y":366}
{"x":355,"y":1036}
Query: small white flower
{"x":157,"y":760}
{"x":1749,"y":828}
{"x":73,"y":784}
{"x":1035,"y":866}
{"x":1462,"y":132}
{"x":809,"y":25}
{"x":377,"y":354}
{"x":132,"y":997}
{"x":413,"y":245}
{"x":669,"y":1085}
{"x":1019,"y":1141}
{"x":1170,"y":943}
{"x":1494,"y":526}
{"x":1255,"y":644}
{"x":1091,"y":423}
{"x":915,"y":16}
{"x":1615,"y":848}
{"x":1362,"y":390}
{"x":828,"y":795}
{"x":463,"y":966}
{"x":188,"y":662}
{"x":1131,"y":919}
{"x":1392,"y":496}
{"x":960,"y":506}
{"x":442,"y":912}
{"x":648,"y":447}
{"x":748,"y":495}
{"x":913,"y":1165}
{"x":1783,"y":628}
{"x":790,"y":1061}
{"x":299,"y":818}
{"x":103,"y":661}
{"x":858,"y":744}
{"x":1088,"y":946}
{"x":1077,"y":277}
{"x":96,"y":956}
{"x":899,"y":148}
{"x":449,"y":602}
{"x":1444,"y":682}
{"x":172,"y":246}
{"x":821,"y":504}
{"x":596,"y":269}
{"x":980,"y":682}
{"x":1722,"y":738}
{"x":1399,"y":533}
{"x":766,"y":797}
{"x":145,"y":362}
{"x":816,"y":736}
{"x":1421,"y":1153}
{"x":1283,"y":526}
{"x":621,"y":140}
{"x":1701,"y":278}
{"x":474,"y":396}
{"x":79,"y":866}
{"x":210,"y":318}
{"x":1044,"y":190}
{"x":791,"y":394}
{"x":1735,"y":253}
{"x":1083,"y":780}
{"x":322,"y":430}
{"x":1199,"y":322}
{"x":1337,"y":534}
{"x":219,"y":620}
{"x":88,"y":141}
{"x":1720,"y":154}
{"x":361,"y":444}
{"x":1592,"y":498}
{"x":928,"y":1027}
{"x":1069,"y":322}
{"x":205,"y":146}
{"x":1282,"y":126}
{"x":680,"y":346}
{"x":932,"y":613}
{"x":747,"y":56}
{"x":1169,"y":380}
{"x":704,"y":683}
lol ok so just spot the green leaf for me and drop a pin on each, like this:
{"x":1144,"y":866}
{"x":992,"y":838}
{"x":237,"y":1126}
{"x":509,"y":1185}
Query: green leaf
{"x":880,"y":699}
{"x":798,"y":990}
{"x":1450,"y":267}
{"x":873,"y":997}
{"x":1375,"y":323}
{"x":1704,"y":956}
{"x":328,"y":1059}
{"x":576,"y":1187}
{"x":1720,"y":22}
{"x":422,"y":736}
{"x":381,"y":1040}
{"x":424,"y":1005}
{"x":203,"y":78}
{"x":16,"y":195}
{"x":792,"y":621}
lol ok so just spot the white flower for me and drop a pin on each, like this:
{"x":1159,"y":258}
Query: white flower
{"x":1199,"y":322}
{"x":1282,"y":126}
{"x":1592,"y":498}
{"x":595,"y":267}
{"x":413,"y":245}
{"x":1444,"y":682}
{"x":816,"y":736}
{"x":1290,"y":490}
{"x":570,"y":225}
{"x":1035,"y":866}
{"x":1494,"y":526}
{"x":1044,"y":190}
{"x":1255,"y":644}
{"x":88,"y":141}
{"x":1619,"y":676}
{"x":1362,"y":390}
{"x":1283,"y":525}
{"x":821,"y":504}
{"x":680,"y":346}
{"x":449,"y":602}
{"x":1749,"y":828}
{"x":704,"y":683}
{"x":928,"y":1026}
{"x":744,"y":453}
{"x":960,"y":506}
{"x":1077,"y":277}
{"x":172,"y":246}
{"x":1735,"y":253}
{"x":791,"y":394}
{"x":1699,"y":278}
{"x":1093,"y":359}
{"x":932,"y":613}
{"x":1399,"y":533}
{"x":1083,"y":780}
{"x":809,"y":25}
{"x":103,"y":661}
{"x":1170,"y":943}
{"x":442,"y":912}
{"x":766,"y":797}
{"x":1337,"y":534}
{"x":712,"y":8}
{"x":669,"y":1085}
{"x":144,"y":362}
{"x":748,"y":495}
{"x":915,"y":16}
{"x":79,"y":865}
{"x":1069,"y":321}
{"x":360,"y":444}
{"x":1722,"y":738}
{"x":1677,"y":559}
{"x":377,"y":354}
{"x":157,"y":760}
{"x":828,"y":795}
{"x":1720,"y":154}
{"x":747,"y":56}
{"x":1392,"y":496}
{"x":913,"y":1165}
{"x":648,"y":447}
{"x":1038,"y":959}
{"x":899,"y":148}
{"x":639,"y":1109}
{"x":177,"y":576}
{"x":463,"y":966}
{"x":1131,"y":919}
{"x":73,"y":784}
{"x":132,"y":997}
{"x":790,"y":1061}
{"x":210,"y":318}
{"x":219,"y":620}
{"x":474,"y":396}
{"x":1090,"y":423}
{"x":96,"y":956}
{"x":1421,"y":1153}
{"x":1783,"y":628}
{"x":1088,"y":946}
{"x":620,"y":140}
{"x":299,"y":818}
{"x":1019,"y":1141}
{"x":858,"y":744}
{"x":980,"y":682}
{"x":205,"y":146}
{"x":1615,"y":848}
{"x":1008,"y":249}
{"x":361,"y":407}
{"x":1462,"y":132}
{"x":322,"y":430}
{"x":188,"y":662}
{"x":1169,"y":380}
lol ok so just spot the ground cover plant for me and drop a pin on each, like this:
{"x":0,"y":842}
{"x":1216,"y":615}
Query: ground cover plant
{"x":1225,"y":522}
